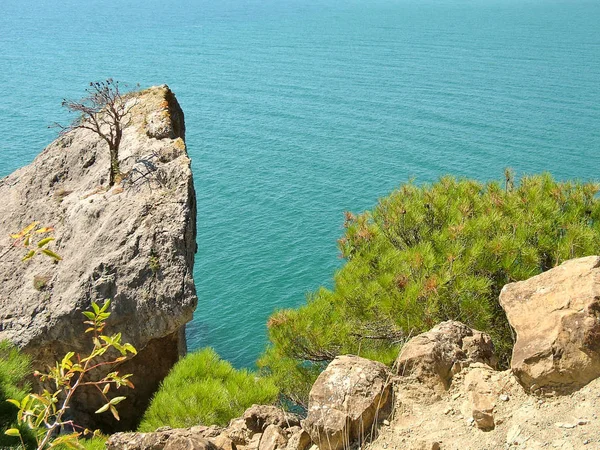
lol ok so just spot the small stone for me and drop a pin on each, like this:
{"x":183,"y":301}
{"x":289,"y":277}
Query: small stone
{"x":386,"y":422}
{"x":456,"y":396}
{"x":565,"y":425}
{"x":504,"y":397}
{"x":448,"y":410}
{"x":582,"y":422}
{"x":540,"y":402}
{"x":470,"y":421}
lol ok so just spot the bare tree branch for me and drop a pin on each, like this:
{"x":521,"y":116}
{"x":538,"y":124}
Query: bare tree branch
{"x":102,"y":111}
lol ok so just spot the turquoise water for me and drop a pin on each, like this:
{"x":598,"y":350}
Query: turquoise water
{"x":299,"y":110}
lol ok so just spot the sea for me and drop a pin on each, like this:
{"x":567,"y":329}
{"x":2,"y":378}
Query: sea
{"x":299,"y":110}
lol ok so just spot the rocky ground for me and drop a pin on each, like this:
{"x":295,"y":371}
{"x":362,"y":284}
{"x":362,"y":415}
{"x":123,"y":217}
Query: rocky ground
{"x":421,"y":421}
{"x":444,"y":392}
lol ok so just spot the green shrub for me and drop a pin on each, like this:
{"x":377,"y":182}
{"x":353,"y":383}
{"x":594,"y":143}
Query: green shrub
{"x":15,"y":367}
{"x":203,"y":389}
{"x":427,"y":254}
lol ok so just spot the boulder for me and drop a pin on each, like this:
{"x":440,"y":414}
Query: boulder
{"x":347,"y":401}
{"x":223,"y":442}
{"x":482,"y":394}
{"x":298,"y":440}
{"x":273,"y":438}
{"x":133,"y":243}
{"x":433,"y":357}
{"x":258,"y":417}
{"x":556,"y":317}
{"x":189,"y":443}
{"x":238,"y":432}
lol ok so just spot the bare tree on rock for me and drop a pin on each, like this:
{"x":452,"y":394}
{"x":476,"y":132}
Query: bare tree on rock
{"x":104,"y":111}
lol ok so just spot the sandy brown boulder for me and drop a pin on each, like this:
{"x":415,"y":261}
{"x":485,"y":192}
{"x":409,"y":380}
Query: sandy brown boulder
{"x":133,"y":243}
{"x":433,"y":357}
{"x":189,"y":443}
{"x":223,"y":442}
{"x":298,"y":439}
{"x":482,"y":390}
{"x":273,"y":438}
{"x":556,"y":317}
{"x":258,"y":417}
{"x":347,"y":401}
{"x":238,"y":432}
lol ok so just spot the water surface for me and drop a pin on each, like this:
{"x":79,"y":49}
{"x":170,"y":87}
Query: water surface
{"x":299,"y":110}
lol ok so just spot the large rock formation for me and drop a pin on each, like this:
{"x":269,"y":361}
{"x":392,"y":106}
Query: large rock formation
{"x":133,"y":243}
{"x":433,"y":357}
{"x":556,"y":316}
{"x":347,"y":401}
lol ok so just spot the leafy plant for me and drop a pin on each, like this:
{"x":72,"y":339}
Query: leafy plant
{"x":154,"y":262}
{"x":427,"y":254}
{"x":31,"y":238}
{"x":43,"y":413}
{"x":203,"y":389}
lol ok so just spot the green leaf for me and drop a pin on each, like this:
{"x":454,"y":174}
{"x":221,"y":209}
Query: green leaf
{"x":66,"y":361}
{"x":103,"y":409}
{"x":114,"y":412}
{"x":39,"y":420}
{"x":130,"y":348}
{"x":105,"y":306}
{"x":12,"y":432}
{"x":45,"y":241}
{"x":95,"y":308}
{"x":51,"y":254}
{"x":117,"y":400}
{"x":90,"y":315}
{"x":29,"y":255}
{"x":24,"y":231}
{"x":14,"y":402}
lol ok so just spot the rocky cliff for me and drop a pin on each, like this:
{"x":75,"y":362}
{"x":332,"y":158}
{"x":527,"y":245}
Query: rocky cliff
{"x":133,"y":243}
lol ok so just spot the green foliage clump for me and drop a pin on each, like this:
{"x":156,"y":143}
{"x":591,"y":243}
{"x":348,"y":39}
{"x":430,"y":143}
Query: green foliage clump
{"x":15,"y":367}
{"x":203,"y":389}
{"x":427,"y":254}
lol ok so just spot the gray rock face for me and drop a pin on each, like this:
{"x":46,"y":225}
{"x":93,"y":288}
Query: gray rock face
{"x":347,"y":401}
{"x":134,"y":244}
